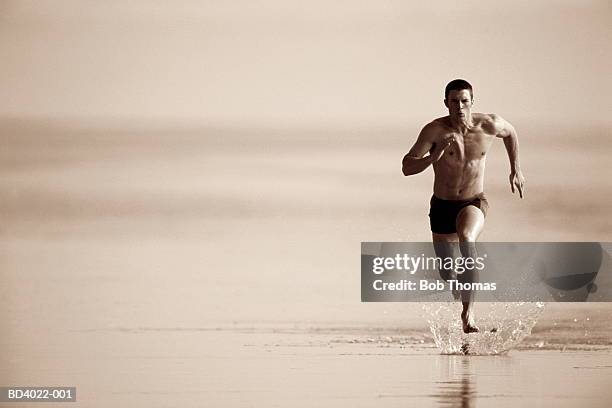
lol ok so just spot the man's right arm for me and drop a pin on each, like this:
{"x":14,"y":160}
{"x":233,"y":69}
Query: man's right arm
{"x":414,"y":162}
{"x":413,"y":165}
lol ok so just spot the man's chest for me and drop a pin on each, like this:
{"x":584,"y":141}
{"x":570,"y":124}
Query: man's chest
{"x":472,"y":145}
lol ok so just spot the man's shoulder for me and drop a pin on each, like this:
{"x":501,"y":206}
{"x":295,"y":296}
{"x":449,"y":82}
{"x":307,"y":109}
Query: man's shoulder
{"x":442,"y":121}
{"x":490,"y":122}
{"x":437,"y":125}
{"x":434,"y":130}
{"x":486,"y":117}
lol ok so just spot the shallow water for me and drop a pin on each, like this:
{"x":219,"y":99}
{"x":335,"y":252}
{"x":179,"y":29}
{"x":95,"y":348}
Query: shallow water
{"x":502,"y":326}
{"x":313,"y":365}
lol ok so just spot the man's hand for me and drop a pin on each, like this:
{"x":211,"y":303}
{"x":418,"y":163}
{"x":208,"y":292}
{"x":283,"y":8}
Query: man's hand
{"x":440,"y":148}
{"x":517,"y":181}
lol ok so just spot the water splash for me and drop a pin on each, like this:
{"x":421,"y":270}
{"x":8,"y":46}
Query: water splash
{"x":502,"y":326}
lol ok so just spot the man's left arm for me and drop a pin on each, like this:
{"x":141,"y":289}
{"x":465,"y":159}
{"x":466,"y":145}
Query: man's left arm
{"x":507,"y":132}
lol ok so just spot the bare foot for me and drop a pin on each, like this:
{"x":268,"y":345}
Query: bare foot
{"x":468,"y":324}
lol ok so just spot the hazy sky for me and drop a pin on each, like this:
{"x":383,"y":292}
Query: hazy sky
{"x":285,"y":61}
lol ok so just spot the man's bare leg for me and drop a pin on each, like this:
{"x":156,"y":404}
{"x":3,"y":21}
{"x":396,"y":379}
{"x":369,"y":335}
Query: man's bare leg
{"x":470,"y":222}
{"x":444,"y":246}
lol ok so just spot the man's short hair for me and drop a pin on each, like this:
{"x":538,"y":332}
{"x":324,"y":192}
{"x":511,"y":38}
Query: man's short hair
{"x":458,"y":85}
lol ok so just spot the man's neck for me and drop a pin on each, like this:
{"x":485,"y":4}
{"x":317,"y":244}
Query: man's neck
{"x":462,"y":124}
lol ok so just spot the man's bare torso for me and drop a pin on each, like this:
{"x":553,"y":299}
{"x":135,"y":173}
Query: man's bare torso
{"x":459,"y":174}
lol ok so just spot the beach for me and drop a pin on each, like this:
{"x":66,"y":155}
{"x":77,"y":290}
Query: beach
{"x":185,"y":188}
{"x":293,"y":366}
{"x":219,"y":266}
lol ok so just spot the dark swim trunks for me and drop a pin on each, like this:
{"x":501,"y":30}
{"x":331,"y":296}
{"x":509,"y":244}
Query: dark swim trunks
{"x":443,"y":213}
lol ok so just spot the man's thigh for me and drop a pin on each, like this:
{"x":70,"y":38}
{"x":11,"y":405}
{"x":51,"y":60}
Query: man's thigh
{"x":470,"y":223}
{"x":444,"y":237}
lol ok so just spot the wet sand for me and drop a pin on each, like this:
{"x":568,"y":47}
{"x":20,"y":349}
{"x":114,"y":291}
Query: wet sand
{"x":221,"y":267}
{"x":298,"y":366}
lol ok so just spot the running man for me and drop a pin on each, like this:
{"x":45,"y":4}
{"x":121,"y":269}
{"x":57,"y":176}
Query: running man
{"x":458,"y":146}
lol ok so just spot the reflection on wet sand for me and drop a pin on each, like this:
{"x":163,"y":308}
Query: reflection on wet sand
{"x":458,"y":387}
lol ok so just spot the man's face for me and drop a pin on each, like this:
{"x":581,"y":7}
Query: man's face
{"x":459,"y":103}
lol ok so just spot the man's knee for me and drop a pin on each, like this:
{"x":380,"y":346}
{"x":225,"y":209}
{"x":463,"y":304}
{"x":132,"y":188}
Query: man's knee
{"x":467,"y":235}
